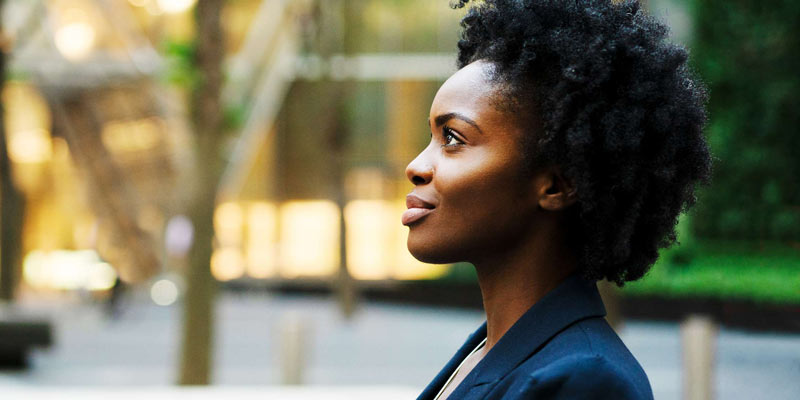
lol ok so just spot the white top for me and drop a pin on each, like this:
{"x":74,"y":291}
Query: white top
{"x":453,"y":375}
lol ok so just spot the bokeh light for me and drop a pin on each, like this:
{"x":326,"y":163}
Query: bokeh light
{"x":309,"y":238}
{"x":164,"y":292}
{"x":68,"y":270}
{"x":178,"y":235}
{"x":175,"y":6}
{"x":227,"y":263}
{"x":75,"y":37}
{"x":261,"y":247}
{"x":33,"y":146}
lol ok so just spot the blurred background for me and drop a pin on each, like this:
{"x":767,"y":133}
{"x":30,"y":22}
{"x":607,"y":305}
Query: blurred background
{"x":208,"y":192}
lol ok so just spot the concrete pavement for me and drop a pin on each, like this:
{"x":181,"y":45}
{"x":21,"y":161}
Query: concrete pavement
{"x":394,"y":345}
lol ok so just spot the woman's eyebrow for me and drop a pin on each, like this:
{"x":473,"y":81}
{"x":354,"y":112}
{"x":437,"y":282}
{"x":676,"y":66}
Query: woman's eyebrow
{"x":441,"y":119}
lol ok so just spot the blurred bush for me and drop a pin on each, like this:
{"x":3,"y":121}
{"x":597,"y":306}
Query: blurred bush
{"x":766,"y":272}
{"x":746,"y":51}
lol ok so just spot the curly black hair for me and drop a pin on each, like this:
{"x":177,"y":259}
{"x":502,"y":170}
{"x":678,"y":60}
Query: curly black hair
{"x":620,"y":114}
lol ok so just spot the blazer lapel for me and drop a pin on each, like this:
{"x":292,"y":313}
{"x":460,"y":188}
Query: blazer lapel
{"x":573,"y":300}
{"x":433,"y":388}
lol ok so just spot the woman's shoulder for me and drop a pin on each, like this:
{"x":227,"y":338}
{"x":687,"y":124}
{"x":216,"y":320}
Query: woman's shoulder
{"x":586,"y":360}
{"x":584,"y":376}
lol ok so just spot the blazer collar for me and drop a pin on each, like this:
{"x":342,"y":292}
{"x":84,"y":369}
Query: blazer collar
{"x":573,"y":300}
{"x":433,"y":388}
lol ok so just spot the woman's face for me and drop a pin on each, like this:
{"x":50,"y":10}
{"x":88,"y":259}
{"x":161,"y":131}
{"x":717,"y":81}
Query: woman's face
{"x":472,"y":197}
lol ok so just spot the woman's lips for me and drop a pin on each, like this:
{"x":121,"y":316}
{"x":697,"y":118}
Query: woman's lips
{"x":413,"y":214}
{"x":417,"y":208}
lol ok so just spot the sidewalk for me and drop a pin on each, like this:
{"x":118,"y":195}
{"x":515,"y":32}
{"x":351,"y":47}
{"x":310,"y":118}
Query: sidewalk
{"x":399,"y":347}
{"x":214,"y":392}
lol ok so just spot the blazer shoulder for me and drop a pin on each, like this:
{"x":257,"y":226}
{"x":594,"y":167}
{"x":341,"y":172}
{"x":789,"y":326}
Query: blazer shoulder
{"x":583,"y":376}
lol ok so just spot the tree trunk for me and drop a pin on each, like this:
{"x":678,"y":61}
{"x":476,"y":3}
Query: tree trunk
{"x":197,"y":345}
{"x":12,"y":203}
{"x":344,"y":285}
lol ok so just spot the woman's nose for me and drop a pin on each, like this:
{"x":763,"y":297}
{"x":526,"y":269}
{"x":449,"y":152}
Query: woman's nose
{"x":420,"y":170}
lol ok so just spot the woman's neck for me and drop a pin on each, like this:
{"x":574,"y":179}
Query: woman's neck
{"x":512,"y":283}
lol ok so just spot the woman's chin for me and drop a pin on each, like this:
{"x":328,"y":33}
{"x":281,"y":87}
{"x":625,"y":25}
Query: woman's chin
{"x":428,"y":253}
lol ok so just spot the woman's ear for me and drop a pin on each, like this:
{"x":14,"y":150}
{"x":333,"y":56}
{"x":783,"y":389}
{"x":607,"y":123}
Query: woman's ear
{"x":553,"y":191}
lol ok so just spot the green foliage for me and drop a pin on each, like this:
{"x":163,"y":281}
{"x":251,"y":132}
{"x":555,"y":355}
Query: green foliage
{"x":181,"y":69}
{"x":234,"y":117}
{"x":760,"y":272}
{"x":685,"y":250}
{"x":746,"y":51}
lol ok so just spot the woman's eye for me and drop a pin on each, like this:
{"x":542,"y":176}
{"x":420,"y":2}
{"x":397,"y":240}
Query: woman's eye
{"x":450,"y":139}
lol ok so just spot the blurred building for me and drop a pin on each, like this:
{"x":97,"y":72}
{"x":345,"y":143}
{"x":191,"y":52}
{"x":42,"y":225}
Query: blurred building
{"x":326,"y":102}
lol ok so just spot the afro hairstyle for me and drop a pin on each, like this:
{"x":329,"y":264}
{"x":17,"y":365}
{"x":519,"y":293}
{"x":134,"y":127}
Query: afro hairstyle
{"x":618,"y":112}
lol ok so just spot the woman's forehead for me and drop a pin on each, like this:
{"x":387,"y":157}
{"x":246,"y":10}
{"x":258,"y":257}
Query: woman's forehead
{"x":469,"y":88}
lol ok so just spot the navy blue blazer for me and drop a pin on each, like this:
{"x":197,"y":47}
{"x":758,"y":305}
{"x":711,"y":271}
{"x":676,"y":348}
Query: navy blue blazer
{"x":561,"y":348}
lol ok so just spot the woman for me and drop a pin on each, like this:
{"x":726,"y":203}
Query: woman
{"x":561,"y":153}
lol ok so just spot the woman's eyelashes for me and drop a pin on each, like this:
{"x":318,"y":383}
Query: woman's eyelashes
{"x":450,"y":138}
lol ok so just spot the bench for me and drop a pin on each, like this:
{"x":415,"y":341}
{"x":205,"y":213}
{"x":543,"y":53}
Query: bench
{"x":17,"y":336}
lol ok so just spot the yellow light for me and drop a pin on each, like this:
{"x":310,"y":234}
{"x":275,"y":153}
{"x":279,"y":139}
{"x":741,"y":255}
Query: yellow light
{"x":101,"y":276}
{"x":32,"y":146}
{"x":309,"y":238}
{"x":35,"y":269}
{"x":262,"y":251}
{"x":132,"y":136}
{"x":369,"y":229}
{"x":138,"y":3}
{"x":227,"y":263}
{"x":67,"y":270}
{"x":228,"y":224}
{"x":28,"y":119}
{"x":75,"y":38}
{"x":175,"y":6}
